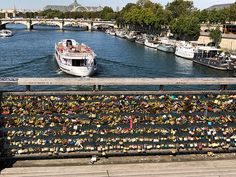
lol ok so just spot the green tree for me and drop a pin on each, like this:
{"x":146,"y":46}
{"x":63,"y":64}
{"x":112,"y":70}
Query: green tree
{"x":29,"y":15}
{"x":148,"y":16}
{"x":145,"y":3}
{"x":51,"y":14}
{"x":163,"y":18}
{"x":215,"y":35}
{"x":203,"y":16}
{"x":217,"y":16}
{"x":106,"y":13}
{"x":232,"y":12}
{"x":133,"y":17}
{"x":186,"y":27}
{"x":180,"y":7}
{"x":2,"y":15}
{"x":128,"y":7}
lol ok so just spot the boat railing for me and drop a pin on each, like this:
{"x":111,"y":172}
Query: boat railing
{"x":77,"y":54}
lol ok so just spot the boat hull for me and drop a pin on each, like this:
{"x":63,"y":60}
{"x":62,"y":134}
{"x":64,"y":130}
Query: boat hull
{"x":82,"y":71}
{"x":5,"y":33}
{"x":151,"y":45}
{"x":139,"y":42}
{"x":130,"y":39}
{"x":168,"y":49}
{"x":184,"y":54}
{"x":215,"y":64}
{"x":120,"y":36}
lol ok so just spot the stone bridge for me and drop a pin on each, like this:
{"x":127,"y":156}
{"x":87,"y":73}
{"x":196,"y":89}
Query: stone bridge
{"x":61,"y":23}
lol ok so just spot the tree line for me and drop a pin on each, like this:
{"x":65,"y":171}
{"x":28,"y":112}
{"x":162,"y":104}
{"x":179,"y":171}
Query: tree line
{"x":107,"y":14}
{"x":179,"y":16}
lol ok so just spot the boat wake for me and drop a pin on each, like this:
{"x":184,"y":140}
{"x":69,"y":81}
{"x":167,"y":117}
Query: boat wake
{"x":132,"y":70}
{"x":59,"y":72}
{"x":17,"y":67}
{"x":123,"y":64}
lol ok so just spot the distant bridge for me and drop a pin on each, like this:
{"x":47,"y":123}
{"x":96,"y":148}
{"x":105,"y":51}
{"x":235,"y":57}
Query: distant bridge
{"x":61,"y":23}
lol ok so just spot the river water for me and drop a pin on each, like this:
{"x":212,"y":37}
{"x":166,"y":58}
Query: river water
{"x":30,"y":54}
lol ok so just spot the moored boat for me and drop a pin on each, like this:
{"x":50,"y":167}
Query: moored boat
{"x":233,"y":56}
{"x":111,"y":31}
{"x":151,"y":43}
{"x":185,"y":50}
{"x":120,"y":33}
{"x":74,"y":58}
{"x":213,"y":58}
{"x":166,"y":45}
{"x":140,"y":40}
{"x":131,"y":36}
{"x":235,"y":70}
{"x":6,"y":33}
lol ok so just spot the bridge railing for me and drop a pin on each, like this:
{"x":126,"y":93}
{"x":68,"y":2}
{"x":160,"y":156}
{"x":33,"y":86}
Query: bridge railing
{"x":84,"y":123}
{"x":97,"y":83}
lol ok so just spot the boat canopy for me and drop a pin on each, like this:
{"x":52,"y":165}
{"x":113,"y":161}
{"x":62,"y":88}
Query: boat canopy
{"x":197,"y":43}
{"x":208,"y":49}
{"x":69,"y":42}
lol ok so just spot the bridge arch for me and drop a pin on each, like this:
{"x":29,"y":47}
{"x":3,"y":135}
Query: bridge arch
{"x":109,"y":24}
{"x":79,"y":24}
{"x":4,"y":23}
{"x":59,"y":24}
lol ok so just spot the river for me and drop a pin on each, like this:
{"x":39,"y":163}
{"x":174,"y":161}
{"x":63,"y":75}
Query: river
{"x":30,"y":54}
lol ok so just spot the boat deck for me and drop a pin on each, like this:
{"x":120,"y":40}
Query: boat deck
{"x":75,"y":51}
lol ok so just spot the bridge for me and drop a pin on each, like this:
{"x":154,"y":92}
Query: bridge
{"x":61,"y":23}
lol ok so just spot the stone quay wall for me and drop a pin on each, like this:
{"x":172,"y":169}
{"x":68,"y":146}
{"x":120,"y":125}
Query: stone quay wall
{"x":228,"y":41}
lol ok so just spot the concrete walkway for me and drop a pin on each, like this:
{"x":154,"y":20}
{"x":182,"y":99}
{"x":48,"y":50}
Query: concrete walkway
{"x":216,"y":168}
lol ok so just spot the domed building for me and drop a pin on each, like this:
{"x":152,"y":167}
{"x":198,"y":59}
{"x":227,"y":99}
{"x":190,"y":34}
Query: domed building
{"x":74,"y":7}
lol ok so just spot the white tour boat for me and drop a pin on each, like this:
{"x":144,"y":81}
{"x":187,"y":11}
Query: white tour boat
{"x":6,"y":33}
{"x":185,"y":50}
{"x":74,"y":58}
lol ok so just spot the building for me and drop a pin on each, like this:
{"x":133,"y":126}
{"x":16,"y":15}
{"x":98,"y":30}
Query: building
{"x":219,"y":6}
{"x":74,"y":7}
{"x":8,"y":13}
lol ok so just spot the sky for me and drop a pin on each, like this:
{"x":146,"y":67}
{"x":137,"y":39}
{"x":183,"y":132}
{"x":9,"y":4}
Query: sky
{"x":40,"y":4}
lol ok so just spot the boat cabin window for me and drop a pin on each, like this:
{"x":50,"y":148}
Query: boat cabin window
{"x":82,"y":62}
{"x":208,"y":54}
{"x":68,"y":43}
{"x":66,"y":61}
{"x":213,"y":54}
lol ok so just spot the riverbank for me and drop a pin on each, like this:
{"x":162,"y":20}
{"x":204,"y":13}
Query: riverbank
{"x":228,"y":41}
